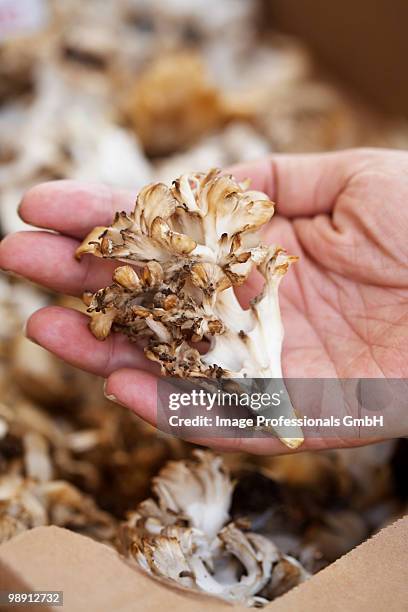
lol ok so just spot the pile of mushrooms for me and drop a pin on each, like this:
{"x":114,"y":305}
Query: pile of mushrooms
{"x":185,"y":537}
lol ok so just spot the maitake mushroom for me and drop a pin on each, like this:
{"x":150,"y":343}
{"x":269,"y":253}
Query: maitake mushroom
{"x":195,"y":241}
{"x":185,"y":537}
{"x":174,"y":103}
{"x":26,"y":503}
{"x":30,"y":496}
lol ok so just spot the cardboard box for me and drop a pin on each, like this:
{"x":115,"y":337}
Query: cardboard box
{"x":94,"y":578}
{"x":363,"y":43}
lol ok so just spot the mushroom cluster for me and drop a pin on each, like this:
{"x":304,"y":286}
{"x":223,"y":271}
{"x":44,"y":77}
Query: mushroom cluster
{"x":26,"y":503}
{"x":185,"y":536}
{"x":194,"y":242}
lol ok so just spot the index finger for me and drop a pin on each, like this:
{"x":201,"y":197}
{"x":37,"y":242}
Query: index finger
{"x":300,"y":184}
{"x":73,"y":208}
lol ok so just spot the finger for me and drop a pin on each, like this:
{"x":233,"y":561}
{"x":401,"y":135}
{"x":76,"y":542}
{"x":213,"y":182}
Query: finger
{"x":49,"y":260}
{"x":137,"y":391}
{"x":71,"y":207}
{"x":65,"y":333}
{"x":303,"y":185}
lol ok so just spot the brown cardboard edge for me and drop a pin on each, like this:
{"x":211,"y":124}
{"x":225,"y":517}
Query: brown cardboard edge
{"x":92,"y":576}
{"x":372,"y":577}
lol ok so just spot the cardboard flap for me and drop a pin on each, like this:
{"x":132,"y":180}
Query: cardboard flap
{"x":93,"y":577}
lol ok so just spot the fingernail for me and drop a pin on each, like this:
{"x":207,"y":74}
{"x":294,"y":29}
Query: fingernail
{"x":109,"y":396}
{"x":19,"y":208}
{"x":24,"y":330}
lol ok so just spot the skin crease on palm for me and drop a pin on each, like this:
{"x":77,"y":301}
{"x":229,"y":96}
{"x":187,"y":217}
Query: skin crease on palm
{"x":344,"y":304}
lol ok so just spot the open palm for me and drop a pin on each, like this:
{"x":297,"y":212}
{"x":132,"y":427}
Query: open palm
{"x":344,"y":304}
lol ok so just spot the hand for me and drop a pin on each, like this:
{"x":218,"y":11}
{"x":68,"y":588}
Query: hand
{"x":344,"y":304}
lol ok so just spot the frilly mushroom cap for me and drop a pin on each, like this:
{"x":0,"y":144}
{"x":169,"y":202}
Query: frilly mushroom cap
{"x":194,"y":242}
{"x":202,"y":217}
{"x":201,"y":491}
